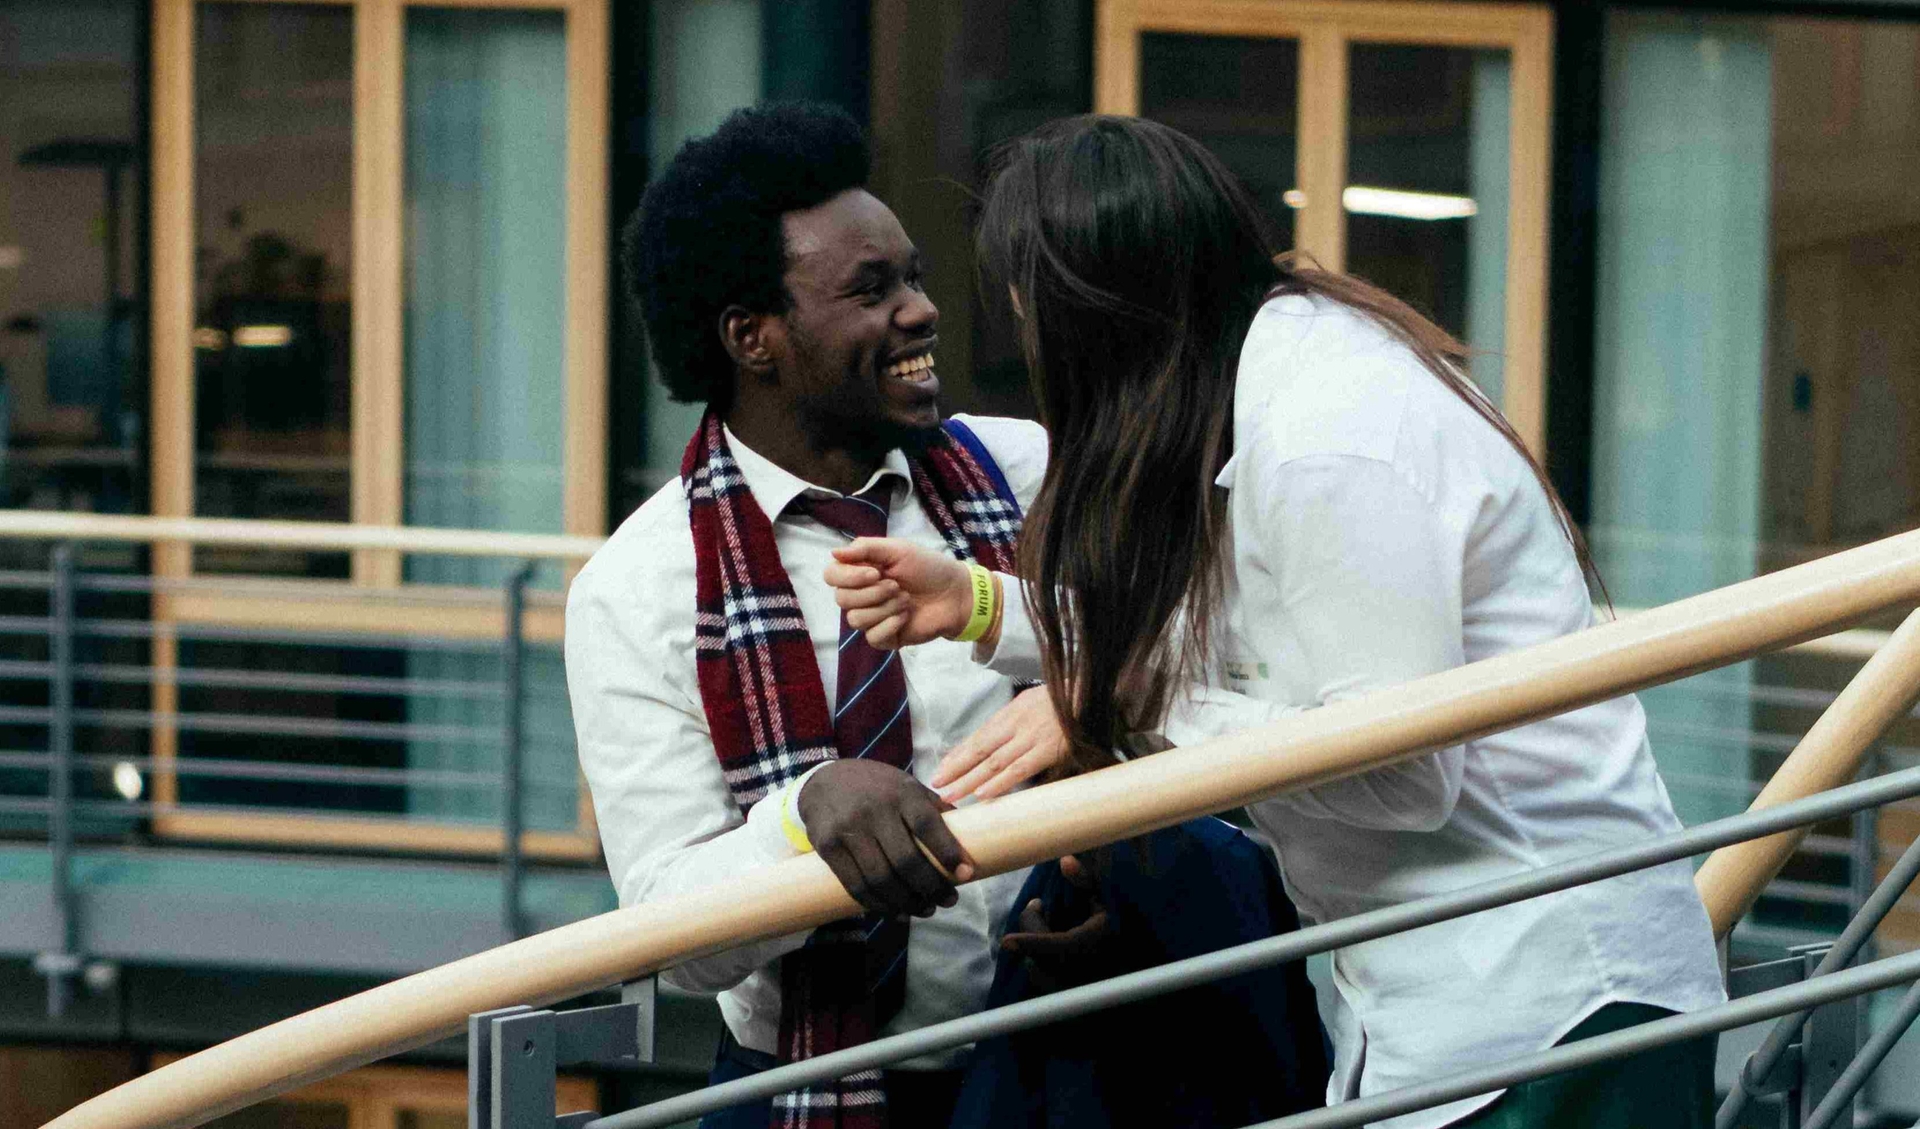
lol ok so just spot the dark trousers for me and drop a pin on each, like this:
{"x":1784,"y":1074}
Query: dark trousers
{"x":1668,"y":1087}
{"x":916,"y":1099}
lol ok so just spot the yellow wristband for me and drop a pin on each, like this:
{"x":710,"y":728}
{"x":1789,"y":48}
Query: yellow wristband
{"x":983,"y":605}
{"x":790,"y":825}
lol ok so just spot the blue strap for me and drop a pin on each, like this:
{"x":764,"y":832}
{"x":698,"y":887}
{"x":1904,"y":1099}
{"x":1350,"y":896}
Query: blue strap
{"x":964,"y":435}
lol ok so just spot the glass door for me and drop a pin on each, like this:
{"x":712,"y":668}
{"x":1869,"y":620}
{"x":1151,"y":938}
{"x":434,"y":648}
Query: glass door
{"x":1413,"y":153}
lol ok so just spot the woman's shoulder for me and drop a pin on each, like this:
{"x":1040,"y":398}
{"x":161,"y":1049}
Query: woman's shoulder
{"x":1318,"y":377}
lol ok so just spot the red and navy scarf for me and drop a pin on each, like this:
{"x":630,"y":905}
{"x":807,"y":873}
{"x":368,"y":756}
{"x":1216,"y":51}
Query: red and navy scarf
{"x":767,"y":709}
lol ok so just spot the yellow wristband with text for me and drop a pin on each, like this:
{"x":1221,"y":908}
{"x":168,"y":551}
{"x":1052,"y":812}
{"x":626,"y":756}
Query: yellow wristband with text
{"x":790,"y":825}
{"x":983,"y":605}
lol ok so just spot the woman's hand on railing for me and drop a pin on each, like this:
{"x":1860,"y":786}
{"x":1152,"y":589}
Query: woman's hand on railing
{"x":900,"y":594}
{"x":1019,"y":742}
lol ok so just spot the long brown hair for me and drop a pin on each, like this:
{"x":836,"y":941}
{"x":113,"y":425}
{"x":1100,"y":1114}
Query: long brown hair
{"x":1137,"y":262}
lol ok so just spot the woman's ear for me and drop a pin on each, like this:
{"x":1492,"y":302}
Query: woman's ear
{"x":749,"y":338}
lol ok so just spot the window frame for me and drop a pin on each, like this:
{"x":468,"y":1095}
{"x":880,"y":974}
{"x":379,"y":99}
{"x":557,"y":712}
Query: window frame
{"x":377,"y":390}
{"x":1325,"y":29}
{"x":377,"y":367}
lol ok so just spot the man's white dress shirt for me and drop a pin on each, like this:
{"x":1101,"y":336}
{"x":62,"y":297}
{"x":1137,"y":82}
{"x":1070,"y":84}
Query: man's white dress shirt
{"x":1381,"y":531}
{"x":667,"y":821}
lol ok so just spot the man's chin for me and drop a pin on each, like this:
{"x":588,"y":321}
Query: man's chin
{"x":917,"y":434}
{"x":909,"y":431}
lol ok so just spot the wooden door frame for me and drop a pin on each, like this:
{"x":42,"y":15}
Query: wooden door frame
{"x":1325,"y":29}
{"x":377,"y":459}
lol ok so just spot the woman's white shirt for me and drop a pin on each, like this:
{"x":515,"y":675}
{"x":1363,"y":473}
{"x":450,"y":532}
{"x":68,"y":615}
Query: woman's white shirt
{"x":1382,"y":530}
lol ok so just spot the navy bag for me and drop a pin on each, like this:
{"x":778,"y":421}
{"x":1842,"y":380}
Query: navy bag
{"x":1218,"y":1056}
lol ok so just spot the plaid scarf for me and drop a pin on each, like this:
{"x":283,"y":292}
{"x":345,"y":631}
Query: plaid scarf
{"x":768,"y":713}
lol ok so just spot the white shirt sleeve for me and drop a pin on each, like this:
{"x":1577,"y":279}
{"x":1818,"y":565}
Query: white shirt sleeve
{"x":1360,"y":564}
{"x":1017,"y":652}
{"x":1362,"y":567}
{"x":668,"y":823}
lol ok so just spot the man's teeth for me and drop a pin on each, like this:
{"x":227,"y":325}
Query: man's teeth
{"x":910,"y":366}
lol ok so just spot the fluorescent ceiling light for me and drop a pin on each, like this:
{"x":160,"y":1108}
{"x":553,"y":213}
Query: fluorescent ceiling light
{"x":1395,"y":202}
{"x":208,"y":338}
{"x":262,"y":336}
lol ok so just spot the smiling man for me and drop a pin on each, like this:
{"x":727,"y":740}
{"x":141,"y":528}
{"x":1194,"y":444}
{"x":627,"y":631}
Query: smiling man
{"x":726,"y":717}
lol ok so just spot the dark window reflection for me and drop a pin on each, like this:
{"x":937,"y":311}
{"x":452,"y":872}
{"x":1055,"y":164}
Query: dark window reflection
{"x":274,"y":224}
{"x":1410,"y":129}
{"x":1239,"y":98}
{"x":72,"y":264}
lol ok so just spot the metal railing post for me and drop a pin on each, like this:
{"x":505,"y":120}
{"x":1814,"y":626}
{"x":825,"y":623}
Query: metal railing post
{"x":514,"y":1055}
{"x":511,"y":801}
{"x":60,"y":966}
{"x":1761,"y":1063}
{"x":1839,"y":1097}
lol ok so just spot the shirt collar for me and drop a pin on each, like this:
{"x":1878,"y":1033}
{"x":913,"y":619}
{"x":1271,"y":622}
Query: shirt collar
{"x":774,"y":487}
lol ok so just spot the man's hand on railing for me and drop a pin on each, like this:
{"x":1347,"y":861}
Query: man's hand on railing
{"x":868,"y":822}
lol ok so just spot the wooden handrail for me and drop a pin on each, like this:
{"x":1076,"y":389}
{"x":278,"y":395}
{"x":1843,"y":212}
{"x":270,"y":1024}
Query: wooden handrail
{"x":311,"y":535}
{"x":1854,"y":643}
{"x":1310,"y":748}
{"x":1828,"y":756}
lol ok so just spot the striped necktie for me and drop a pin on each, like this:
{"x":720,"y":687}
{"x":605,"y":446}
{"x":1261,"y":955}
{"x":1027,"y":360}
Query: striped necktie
{"x":870,"y":703}
{"x":870,"y":722}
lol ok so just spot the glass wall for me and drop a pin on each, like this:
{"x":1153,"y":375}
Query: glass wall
{"x":73,"y":398}
{"x":72,"y":260}
{"x":1757,"y":367}
{"x":486,"y":115}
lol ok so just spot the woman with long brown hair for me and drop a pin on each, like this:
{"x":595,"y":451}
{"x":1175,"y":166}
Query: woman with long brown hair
{"x":1273,"y":487}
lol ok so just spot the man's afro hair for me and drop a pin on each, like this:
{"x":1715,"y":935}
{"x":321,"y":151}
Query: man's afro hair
{"x":707,"y":233}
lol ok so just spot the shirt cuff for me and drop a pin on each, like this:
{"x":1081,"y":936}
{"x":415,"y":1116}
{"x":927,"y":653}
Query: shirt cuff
{"x":1017,"y":654}
{"x":763,"y":819}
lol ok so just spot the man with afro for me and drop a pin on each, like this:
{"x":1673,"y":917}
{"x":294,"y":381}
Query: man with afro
{"x":727,"y":717}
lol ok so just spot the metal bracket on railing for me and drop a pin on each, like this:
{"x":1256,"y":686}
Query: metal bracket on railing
{"x":513,"y":1055}
{"x":1810,"y":1066}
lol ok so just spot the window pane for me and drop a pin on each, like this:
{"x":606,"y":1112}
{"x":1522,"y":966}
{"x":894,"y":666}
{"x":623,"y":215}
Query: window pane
{"x":1426,"y":196}
{"x":486,"y":104}
{"x":273,"y":183}
{"x":486,"y":116}
{"x":1239,"y":98}
{"x":1757,"y":361}
{"x":1680,"y":327}
{"x":72,"y":274}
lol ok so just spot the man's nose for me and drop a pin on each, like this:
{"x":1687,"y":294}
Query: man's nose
{"x":918,"y":315}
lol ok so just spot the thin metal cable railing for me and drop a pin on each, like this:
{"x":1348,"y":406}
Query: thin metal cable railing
{"x":181,"y":727}
{"x":120,"y":711}
{"x":1721,"y":627}
{"x":1129,"y":988}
